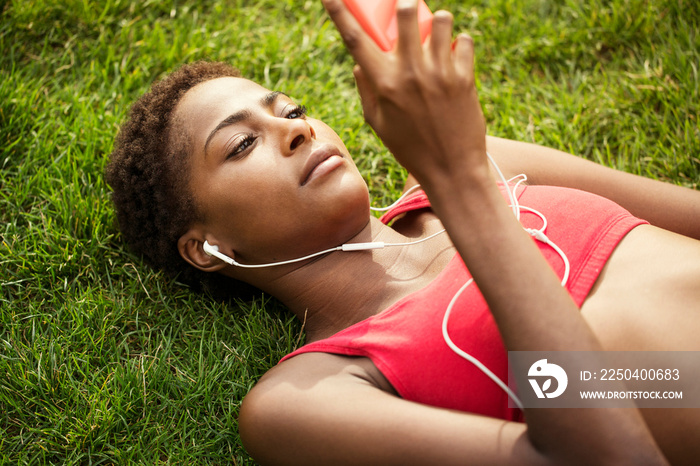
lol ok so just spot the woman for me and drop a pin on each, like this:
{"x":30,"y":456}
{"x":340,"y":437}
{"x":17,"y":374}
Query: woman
{"x":235,"y":166}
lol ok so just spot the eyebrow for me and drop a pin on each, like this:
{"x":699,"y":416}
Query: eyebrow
{"x":266,"y":101}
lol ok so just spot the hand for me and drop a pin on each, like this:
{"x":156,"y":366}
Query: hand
{"x":421,"y":100}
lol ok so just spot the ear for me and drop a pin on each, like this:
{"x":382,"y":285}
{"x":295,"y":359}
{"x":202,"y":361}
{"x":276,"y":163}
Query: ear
{"x":191,"y":248}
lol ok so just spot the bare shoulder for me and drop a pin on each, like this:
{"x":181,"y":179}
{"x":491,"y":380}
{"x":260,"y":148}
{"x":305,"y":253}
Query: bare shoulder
{"x":295,"y":398}
{"x":316,"y":367}
{"x":318,"y":408}
{"x":294,"y":377}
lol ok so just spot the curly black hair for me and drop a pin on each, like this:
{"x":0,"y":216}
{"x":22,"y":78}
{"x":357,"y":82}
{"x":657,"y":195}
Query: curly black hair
{"x":149,"y":175}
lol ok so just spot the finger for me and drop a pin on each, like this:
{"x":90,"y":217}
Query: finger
{"x":409,"y":43}
{"x":464,"y":55}
{"x":359,"y":44}
{"x":441,"y":37}
{"x":367,"y":94}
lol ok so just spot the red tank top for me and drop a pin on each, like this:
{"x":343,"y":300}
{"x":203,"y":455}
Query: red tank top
{"x":405,"y":341}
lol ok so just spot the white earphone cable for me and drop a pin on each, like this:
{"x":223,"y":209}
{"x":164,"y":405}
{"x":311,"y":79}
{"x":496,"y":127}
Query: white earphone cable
{"x":406,"y":193}
{"x":214,"y":251}
{"x":468,"y":356}
{"x":539,"y":235}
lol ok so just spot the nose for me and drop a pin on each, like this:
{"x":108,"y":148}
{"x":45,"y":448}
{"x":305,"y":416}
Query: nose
{"x":299,"y":131}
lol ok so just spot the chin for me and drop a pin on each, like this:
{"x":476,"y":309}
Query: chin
{"x":351,"y":213}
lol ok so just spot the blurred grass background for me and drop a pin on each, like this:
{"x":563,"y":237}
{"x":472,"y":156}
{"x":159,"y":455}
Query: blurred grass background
{"x":104,"y":361}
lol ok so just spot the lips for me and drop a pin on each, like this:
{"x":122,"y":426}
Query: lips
{"x":321,"y":160}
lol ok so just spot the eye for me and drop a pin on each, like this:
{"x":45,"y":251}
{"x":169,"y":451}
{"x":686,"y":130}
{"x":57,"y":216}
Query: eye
{"x":241,"y":146}
{"x":298,"y":111}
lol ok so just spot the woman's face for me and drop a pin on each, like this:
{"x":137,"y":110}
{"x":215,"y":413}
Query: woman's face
{"x":270,"y":182}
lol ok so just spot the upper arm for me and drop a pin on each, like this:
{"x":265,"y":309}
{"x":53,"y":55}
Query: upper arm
{"x":662,"y":204}
{"x":306,"y":415}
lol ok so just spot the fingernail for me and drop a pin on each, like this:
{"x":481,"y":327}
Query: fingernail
{"x":406,"y":3}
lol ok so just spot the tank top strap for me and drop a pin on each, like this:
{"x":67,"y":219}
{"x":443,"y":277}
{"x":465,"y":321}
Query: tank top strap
{"x":415,"y":201}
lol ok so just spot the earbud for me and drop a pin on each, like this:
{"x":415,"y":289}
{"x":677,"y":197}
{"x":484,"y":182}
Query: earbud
{"x":214,"y":251}
{"x":209,"y":249}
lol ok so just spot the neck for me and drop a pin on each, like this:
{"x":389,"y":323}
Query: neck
{"x":343,"y":288}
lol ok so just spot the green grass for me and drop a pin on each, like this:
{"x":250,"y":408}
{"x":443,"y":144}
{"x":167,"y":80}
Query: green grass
{"x":103,"y":360}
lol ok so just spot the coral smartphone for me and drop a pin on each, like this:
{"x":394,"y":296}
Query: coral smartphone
{"x":378,"y":19}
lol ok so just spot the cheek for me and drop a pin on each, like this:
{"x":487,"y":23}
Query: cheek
{"x":248,"y":201}
{"x":257,"y":211}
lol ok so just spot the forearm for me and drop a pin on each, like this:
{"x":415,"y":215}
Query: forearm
{"x":533,"y":312}
{"x":523,"y":292}
{"x":662,"y":204}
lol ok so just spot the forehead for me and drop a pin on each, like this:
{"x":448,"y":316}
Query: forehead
{"x":217,"y":98}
